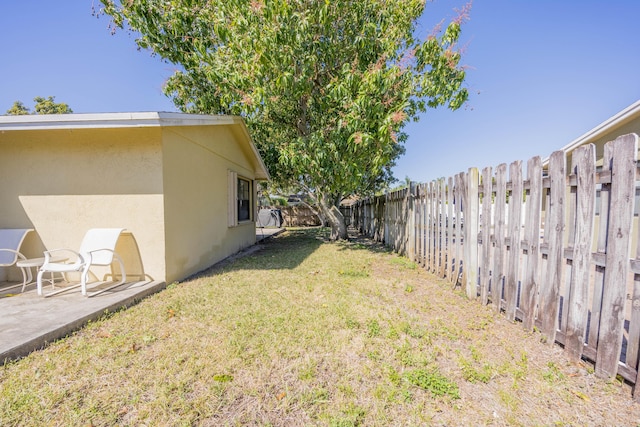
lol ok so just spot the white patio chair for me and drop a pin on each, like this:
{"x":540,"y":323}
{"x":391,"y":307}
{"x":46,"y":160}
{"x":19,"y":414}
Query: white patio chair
{"x":10,"y":242}
{"x":97,"y":248}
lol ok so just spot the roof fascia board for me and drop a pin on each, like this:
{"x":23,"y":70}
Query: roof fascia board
{"x":111,"y":120}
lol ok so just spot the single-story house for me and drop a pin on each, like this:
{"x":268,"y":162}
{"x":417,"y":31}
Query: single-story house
{"x":625,"y":122}
{"x":183,"y":185}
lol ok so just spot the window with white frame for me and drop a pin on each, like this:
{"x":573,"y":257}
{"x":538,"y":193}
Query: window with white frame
{"x":244,"y":200}
{"x":240,"y":199}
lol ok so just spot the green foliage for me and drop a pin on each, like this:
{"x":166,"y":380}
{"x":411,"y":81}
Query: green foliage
{"x":553,"y":374}
{"x":433,"y":381}
{"x":403,"y":262}
{"x":42,"y":106}
{"x":353,"y":273}
{"x":475,"y":371}
{"x":326,"y":87}
{"x":278,"y":201}
{"x":352,"y":416}
{"x":17,"y":109}
{"x":373,"y":328}
{"x":48,"y":106}
{"x":223,"y":378}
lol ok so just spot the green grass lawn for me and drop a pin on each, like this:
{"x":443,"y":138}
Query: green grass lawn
{"x":307,"y":332}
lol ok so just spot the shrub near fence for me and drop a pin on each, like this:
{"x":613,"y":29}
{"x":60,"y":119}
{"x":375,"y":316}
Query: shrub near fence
{"x":551,"y":249}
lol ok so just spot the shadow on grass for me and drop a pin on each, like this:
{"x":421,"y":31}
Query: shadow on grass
{"x":358,"y":242}
{"x":285,"y":251}
{"x":290,"y":249}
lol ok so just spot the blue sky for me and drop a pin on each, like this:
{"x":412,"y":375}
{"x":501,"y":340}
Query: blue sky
{"x":540,"y":73}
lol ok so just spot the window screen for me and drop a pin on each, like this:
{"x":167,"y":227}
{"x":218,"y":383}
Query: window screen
{"x":244,"y":200}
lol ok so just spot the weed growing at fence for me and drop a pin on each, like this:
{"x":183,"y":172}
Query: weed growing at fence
{"x":553,"y":373}
{"x":306,"y":332}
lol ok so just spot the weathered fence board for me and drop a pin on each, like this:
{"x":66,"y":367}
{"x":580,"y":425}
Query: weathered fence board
{"x":513,"y":238}
{"x":432,"y":227}
{"x":549,"y":297}
{"x":531,"y":243}
{"x":439,"y":228}
{"x":623,"y":168}
{"x":583,"y":168}
{"x":485,"y":269}
{"x":457,"y":218}
{"x":598,"y":258}
{"x":634,"y":325}
{"x":498,"y":271}
{"x":471,"y":232}
{"x":450,"y":254}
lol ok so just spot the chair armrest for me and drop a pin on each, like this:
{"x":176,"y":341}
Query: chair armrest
{"x":94,"y":259}
{"x":79,"y":259}
{"x":17,"y":256}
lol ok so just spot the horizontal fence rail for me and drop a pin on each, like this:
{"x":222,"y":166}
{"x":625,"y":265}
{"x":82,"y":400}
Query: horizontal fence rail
{"x":557,"y":249}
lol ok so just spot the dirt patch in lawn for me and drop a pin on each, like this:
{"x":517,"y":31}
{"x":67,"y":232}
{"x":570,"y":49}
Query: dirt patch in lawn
{"x":307,"y":332}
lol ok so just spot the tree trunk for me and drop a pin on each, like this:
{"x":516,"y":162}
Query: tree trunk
{"x":336,"y":221}
{"x":338,"y":225}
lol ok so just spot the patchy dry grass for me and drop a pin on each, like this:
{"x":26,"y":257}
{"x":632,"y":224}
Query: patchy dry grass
{"x":305,"y":332}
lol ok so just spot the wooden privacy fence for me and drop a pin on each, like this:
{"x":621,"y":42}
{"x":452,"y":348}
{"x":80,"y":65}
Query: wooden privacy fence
{"x":551,"y":249}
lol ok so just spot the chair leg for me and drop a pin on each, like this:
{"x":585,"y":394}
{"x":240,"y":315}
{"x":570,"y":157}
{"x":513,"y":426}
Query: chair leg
{"x":83,"y":279}
{"x":27,"y":277}
{"x":122,"y":281}
{"x":124,"y":273}
{"x":39,"y":281}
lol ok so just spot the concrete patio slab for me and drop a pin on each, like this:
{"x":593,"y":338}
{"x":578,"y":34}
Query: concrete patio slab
{"x":29,"y":322}
{"x":266,"y":232}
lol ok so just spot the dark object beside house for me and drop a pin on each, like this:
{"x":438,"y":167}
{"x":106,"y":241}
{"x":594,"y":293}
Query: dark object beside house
{"x":270,"y":218}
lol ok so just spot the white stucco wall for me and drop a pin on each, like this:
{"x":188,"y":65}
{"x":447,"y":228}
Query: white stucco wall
{"x":63,"y":182}
{"x":195,"y":162}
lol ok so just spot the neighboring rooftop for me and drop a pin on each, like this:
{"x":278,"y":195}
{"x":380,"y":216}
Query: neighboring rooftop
{"x":622,"y":123}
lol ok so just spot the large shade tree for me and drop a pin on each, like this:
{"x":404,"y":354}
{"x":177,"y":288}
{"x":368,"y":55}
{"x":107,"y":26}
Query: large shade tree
{"x":324,"y":86}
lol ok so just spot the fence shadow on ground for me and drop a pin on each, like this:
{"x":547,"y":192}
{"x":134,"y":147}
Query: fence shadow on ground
{"x":358,"y":241}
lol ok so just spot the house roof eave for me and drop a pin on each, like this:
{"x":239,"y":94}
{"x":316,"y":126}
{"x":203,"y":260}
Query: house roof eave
{"x":131,"y":120}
